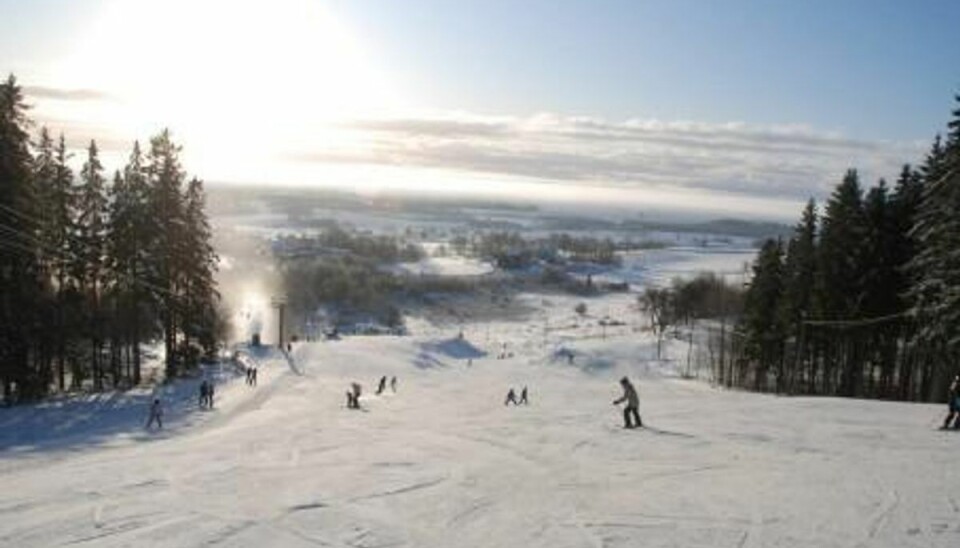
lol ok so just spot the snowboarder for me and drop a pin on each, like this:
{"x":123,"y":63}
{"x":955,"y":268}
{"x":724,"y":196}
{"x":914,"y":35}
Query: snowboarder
{"x":382,"y":386}
{"x":511,"y":398}
{"x":633,"y":404}
{"x":156,"y":414}
{"x":523,"y":396}
{"x":393,"y":384}
{"x":953,"y":402}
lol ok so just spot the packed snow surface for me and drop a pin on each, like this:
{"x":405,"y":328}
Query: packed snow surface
{"x":443,"y":463}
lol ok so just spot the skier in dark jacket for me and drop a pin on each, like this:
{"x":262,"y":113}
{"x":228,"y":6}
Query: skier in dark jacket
{"x":523,"y":397}
{"x":353,"y":396}
{"x":382,"y":386}
{"x":511,"y":398}
{"x":953,"y":402}
{"x":203,"y":394}
{"x":156,"y":414}
{"x":633,"y":404}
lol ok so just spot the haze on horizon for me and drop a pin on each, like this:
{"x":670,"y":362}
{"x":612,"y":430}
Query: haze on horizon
{"x":751,"y":107}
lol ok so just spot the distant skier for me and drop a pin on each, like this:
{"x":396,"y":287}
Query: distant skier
{"x":523,"y":397}
{"x":253,"y":376}
{"x":511,"y":398}
{"x":633,"y":404}
{"x":353,"y":396}
{"x":382,"y":386}
{"x":156,"y":414}
{"x":393,"y":384}
{"x":203,"y":394}
{"x":210,"y":395}
{"x":953,"y":402}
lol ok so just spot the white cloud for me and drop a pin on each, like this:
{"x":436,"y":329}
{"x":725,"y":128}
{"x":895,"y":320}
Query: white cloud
{"x":791,"y":161}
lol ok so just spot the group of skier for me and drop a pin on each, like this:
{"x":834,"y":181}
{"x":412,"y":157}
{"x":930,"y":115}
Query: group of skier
{"x":512,"y":397}
{"x":353,"y":395}
{"x":631,"y":412}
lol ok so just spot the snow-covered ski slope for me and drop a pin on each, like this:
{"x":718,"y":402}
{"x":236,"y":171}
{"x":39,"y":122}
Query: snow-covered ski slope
{"x":442,"y":463}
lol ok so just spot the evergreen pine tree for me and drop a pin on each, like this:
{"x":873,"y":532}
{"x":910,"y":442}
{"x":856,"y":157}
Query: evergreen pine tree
{"x":89,"y":252}
{"x":762,"y":316}
{"x":935,"y":267}
{"x":165,"y":176}
{"x":200,"y":323}
{"x":800,"y":271}
{"x":20,"y":256}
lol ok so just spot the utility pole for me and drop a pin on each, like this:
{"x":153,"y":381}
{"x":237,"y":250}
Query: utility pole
{"x":280,"y":304}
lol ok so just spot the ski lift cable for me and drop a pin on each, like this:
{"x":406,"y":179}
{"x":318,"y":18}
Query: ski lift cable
{"x":60,"y":253}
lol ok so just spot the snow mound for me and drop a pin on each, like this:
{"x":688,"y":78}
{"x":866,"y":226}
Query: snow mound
{"x":456,"y":348}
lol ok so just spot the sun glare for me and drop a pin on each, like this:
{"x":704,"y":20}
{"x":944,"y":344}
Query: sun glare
{"x":239,"y":81}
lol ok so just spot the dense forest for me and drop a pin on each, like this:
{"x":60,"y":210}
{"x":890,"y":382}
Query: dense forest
{"x":93,"y":266}
{"x":863,"y":299}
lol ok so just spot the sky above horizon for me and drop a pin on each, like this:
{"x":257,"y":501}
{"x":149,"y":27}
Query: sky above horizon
{"x":746,"y":106}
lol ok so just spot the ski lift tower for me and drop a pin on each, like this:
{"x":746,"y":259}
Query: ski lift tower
{"x":280,"y":303}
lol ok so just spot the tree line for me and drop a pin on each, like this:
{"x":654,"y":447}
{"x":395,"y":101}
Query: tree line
{"x":863,"y":299}
{"x":91,"y":268}
{"x":705,"y":297}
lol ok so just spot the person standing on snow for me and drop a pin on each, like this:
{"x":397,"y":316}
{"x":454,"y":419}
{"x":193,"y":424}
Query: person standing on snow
{"x":382,"y":386}
{"x":953,"y":402}
{"x":353,"y":396}
{"x":393,"y":384}
{"x":633,"y":404}
{"x":511,"y":398}
{"x":203,"y":394}
{"x":523,"y":396}
{"x":156,"y":414}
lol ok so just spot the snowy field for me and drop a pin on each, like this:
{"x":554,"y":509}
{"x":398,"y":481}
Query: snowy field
{"x":444,"y":266}
{"x":443,"y":463}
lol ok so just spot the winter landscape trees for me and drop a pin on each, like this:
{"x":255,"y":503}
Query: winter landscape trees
{"x":865,"y":301}
{"x":91,"y":270}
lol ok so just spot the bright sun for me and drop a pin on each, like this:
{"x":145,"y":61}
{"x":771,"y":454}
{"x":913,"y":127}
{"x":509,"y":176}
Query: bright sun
{"x":240,"y":81}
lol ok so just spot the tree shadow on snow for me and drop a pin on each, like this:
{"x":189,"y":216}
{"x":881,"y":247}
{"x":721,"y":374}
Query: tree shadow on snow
{"x":74,"y":422}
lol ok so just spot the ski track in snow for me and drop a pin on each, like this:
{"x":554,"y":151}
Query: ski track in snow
{"x":444,"y":463}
